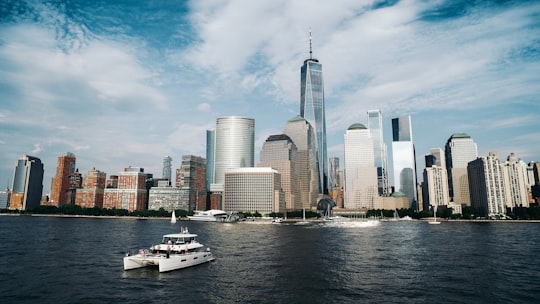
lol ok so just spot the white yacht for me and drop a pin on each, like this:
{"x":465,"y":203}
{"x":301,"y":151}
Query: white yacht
{"x":176,"y":251}
{"x":213,"y":215}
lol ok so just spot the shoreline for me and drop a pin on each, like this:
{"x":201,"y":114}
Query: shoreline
{"x":260,"y":220}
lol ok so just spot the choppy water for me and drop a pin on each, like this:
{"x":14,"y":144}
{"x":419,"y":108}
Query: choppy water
{"x":79,"y":260}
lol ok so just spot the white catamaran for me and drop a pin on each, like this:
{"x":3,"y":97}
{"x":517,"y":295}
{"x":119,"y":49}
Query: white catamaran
{"x":176,"y":251}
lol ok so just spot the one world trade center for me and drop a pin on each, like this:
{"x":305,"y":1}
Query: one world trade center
{"x":312,"y":110}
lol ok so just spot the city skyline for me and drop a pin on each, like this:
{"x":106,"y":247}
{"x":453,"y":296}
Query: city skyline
{"x":126,"y":83}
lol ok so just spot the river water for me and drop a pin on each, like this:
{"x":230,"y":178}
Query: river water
{"x":79,"y":260}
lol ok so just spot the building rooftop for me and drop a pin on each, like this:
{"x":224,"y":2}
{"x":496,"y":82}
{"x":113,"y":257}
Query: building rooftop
{"x":460,"y":135}
{"x":278,"y":137}
{"x":357,"y":126}
{"x":297,"y":118}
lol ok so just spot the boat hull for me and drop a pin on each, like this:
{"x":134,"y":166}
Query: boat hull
{"x":203,"y":218}
{"x":164,"y":263}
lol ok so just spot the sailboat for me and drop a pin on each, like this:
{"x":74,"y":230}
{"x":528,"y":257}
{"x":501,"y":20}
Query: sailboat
{"x":173,"y":217}
{"x":434,"y":222}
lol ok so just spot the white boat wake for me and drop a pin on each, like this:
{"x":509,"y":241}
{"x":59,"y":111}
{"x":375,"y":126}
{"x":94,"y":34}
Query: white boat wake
{"x":352,"y":224}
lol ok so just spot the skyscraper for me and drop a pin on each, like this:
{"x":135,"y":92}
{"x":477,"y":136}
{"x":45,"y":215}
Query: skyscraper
{"x":301,"y":133}
{"x":333,"y":177}
{"x":60,"y":185}
{"x":404,"y":158}
{"x":191,"y":177}
{"x":312,"y":109}
{"x":167,"y":172}
{"x":459,"y":150}
{"x":379,"y":148}
{"x":280,"y":153}
{"x":360,"y":171}
{"x":27,"y":183}
{"x":233,"y":147}
{"x":210,"y":153}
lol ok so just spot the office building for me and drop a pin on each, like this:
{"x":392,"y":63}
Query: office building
{"x":210,"y":142}
{"x":379,"y":149}
{"x":280,"y":153}
{"x":486,"y":183}
{"x":27,"y":183}
{"x":233,"y":147}
{"x":167,"y":169}
{"x":131,"y":193}
{"x":333,"y":178}
{"x":191,"y":178}
{"x":404,"y":159}
{"x":62,"y":187}
{"x":253,"y":190}
{"x":361,"y":182}
{"x":301,"y":133}
{"x":312,"y":109}
{"x":4,"y":199}
{"x":459,"y":150}
{"x":93,"y":190}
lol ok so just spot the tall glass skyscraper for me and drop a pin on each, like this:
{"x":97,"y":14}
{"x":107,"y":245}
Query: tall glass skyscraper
{"x":27,"y":183}
{"x":333,"y":174}
{"x":233,"y":147}
{"x":404,"y":158}
{"x":167,"y":168}
{"x":379,"y":150}
{"x":210,"y":142}
{"x":312,"y":109}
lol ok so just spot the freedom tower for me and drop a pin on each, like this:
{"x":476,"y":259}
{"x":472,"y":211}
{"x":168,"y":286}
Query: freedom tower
{"x":312,"y":110}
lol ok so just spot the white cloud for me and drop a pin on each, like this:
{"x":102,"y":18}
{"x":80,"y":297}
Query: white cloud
{"x":204,"y":107}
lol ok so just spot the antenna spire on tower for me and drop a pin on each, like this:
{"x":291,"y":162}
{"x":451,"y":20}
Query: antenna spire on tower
{"x":310,"y":50}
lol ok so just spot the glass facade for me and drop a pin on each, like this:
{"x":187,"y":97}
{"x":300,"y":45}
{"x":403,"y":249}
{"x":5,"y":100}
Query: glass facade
{"x":404,"y":159}
{"x":379,"y":149}
{"x":234,"y":147}
{"x":167,"y":168}
{"x":27,"y":183}
{"x":333,"y":169}
{"x":312,"y":109}
{"x":210,"y":141}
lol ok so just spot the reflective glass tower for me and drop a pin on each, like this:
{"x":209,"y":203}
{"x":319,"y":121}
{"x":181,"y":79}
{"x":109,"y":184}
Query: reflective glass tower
{"x":312,"y":110}
{"x":233,"y":147}
{"x":379,"y":150}
{"x":404,"y":159}
{"x":27,"y":183}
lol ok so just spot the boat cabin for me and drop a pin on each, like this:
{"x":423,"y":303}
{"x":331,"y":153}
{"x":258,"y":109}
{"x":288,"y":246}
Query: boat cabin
{"x":177,"y":240}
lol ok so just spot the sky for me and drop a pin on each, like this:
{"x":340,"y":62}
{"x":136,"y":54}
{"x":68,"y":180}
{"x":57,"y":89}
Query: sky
{"x":125,"y":83}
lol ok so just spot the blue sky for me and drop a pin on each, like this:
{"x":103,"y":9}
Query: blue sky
{"x":122,"y":83}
